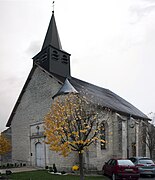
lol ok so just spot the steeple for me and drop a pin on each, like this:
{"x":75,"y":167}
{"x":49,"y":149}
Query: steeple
{"x":51,"y":57}
{"x":52,"y":35}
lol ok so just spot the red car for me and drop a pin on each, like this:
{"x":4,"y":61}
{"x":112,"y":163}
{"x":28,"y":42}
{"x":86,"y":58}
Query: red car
{"x":120,"y":169}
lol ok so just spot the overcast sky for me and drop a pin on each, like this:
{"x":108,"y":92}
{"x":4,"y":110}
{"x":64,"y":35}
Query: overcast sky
{"x":112,"y":45}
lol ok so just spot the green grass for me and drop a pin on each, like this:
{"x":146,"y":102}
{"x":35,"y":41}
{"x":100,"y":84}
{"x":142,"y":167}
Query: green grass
{"x":44,"y":175}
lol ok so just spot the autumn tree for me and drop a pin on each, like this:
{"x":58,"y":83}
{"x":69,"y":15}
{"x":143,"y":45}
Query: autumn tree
{"x":5,"y":145}
{"x":73,"y":125}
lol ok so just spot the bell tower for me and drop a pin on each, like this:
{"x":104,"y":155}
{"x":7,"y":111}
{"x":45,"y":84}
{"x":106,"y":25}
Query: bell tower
{"x":52,"y":57}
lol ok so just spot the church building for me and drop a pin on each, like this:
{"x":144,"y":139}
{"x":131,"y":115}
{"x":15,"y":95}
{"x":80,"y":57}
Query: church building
{"x":51,"y":72}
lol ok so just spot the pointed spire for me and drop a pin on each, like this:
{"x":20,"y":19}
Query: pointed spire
{"x":52,"y":36}
{"x":65,"y":89}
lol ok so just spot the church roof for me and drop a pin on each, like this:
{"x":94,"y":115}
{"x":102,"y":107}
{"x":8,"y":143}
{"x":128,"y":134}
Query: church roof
{"x":106,"y":98}
{"x":102,"y":97}
{"x":52,"y":35}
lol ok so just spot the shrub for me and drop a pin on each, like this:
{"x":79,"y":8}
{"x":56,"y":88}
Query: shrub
{"x":8,"y":172}
{"x":50,"y":169}
{"x":46,"y":167}
{"x":3,"y":166}
{"x":63,"y":172}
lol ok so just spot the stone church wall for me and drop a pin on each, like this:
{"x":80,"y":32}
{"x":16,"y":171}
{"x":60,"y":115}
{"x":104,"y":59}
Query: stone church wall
{"x":33,"y":106}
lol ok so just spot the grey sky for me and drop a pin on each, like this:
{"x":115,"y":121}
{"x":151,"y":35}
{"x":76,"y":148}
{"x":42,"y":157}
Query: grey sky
{"x":112,"y":45}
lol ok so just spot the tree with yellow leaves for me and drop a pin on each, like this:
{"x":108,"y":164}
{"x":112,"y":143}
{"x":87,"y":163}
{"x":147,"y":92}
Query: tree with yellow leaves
{"x":5,"y":145}
{"x":72,"y":125}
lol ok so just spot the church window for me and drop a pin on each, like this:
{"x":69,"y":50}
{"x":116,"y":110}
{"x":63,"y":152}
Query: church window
{"x":103,"y":136}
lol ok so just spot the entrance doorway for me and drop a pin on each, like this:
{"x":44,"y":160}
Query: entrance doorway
{"x":39,"y":155}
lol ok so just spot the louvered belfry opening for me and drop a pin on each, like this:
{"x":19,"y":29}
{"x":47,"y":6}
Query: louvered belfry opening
{"x":59,"y":62}
{"x":42,"y":59}
{"x":54,"y":61}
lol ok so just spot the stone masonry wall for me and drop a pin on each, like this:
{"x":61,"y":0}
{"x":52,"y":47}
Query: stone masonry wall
{"x":34,"y":104}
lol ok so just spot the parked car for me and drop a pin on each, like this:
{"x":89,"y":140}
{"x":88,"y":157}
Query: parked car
{"x":145,"y":165}
{"x":120,"y":169}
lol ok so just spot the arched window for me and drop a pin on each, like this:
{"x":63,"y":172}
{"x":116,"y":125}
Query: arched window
{"x":103,"y":136}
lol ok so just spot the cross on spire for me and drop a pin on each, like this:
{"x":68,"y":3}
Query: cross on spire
{"x":52,"y":35}
{"x":53,"y":6}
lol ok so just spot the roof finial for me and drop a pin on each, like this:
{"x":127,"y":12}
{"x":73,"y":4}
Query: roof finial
{"x":53,"y":7}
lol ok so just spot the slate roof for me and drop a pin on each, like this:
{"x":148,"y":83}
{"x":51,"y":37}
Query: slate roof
{"x":102,"y":97}
{"x":107,"y":98}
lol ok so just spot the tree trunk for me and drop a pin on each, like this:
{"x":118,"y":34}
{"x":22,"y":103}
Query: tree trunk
{"x":81,"y":166}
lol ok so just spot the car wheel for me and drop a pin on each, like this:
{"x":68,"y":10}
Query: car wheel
{"x":113,"y":176}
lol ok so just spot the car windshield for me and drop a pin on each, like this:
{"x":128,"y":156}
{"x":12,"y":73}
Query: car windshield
{"x":145,"y":161}
{"x":125,"y":162}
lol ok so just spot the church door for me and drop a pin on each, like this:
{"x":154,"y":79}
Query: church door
{"x":39,"y":155}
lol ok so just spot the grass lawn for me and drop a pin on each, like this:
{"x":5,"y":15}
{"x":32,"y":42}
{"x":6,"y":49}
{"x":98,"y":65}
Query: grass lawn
{"x":44,"y":175}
